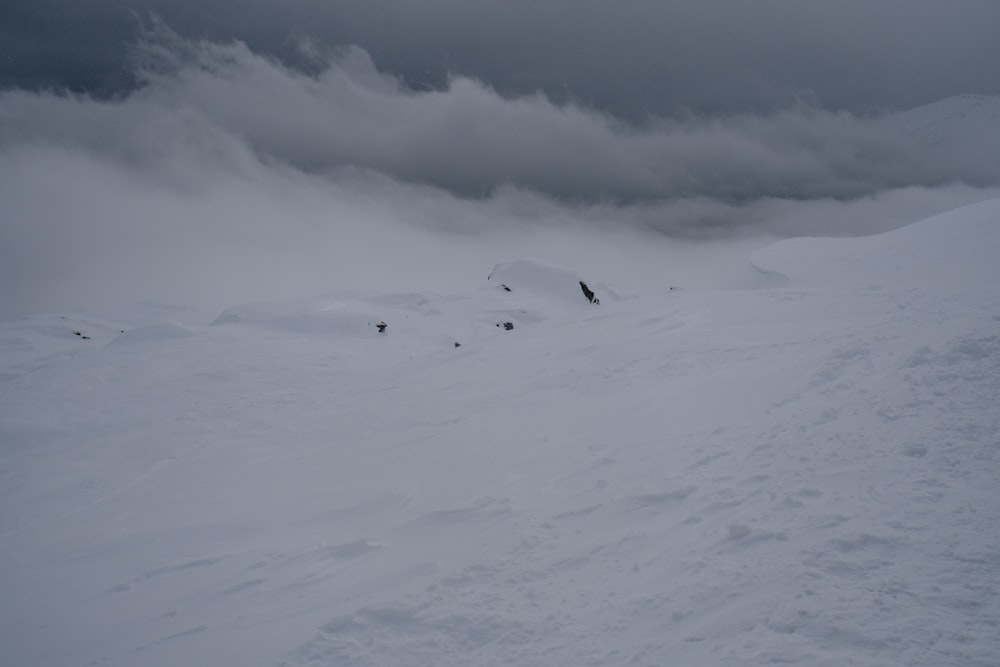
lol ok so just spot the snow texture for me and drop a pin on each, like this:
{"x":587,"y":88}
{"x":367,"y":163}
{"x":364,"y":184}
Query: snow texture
{"x":806,"y":472}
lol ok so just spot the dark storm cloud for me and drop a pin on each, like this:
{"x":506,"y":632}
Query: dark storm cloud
{"x":468,"y":139}
{"x":632,"y":58}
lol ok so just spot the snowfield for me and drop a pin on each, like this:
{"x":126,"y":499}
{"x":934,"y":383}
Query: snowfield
{"x":804,"y":471}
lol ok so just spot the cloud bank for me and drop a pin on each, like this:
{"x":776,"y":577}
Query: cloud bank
{"x":630,"y":58}
{"x":228,"y":175}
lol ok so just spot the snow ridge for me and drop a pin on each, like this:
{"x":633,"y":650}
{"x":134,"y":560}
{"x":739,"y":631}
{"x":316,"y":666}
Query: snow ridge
{"x":958,"y":118}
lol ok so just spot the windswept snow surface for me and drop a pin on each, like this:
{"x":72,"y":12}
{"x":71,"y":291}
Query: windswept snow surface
{"x":807,"y":473}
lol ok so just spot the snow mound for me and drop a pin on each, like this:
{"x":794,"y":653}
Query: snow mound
{"x":934,"y":254}
{"x":545,"y":280}
{"x":518,"y":293}
{"x":154,"y":333}
{"x":337,"y":319}
{"x":38,"y":339}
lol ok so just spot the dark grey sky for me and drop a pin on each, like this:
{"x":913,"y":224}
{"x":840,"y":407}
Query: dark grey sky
{"x":630,"y":57}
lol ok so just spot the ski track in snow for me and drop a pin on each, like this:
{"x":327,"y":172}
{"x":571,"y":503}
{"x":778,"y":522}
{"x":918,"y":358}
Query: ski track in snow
{"x":805,"y":474}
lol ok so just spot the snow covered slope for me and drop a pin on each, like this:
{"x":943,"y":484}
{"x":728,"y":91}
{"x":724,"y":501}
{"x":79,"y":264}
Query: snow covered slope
{"x":805,"y":474}
{"x":960,"y":118}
